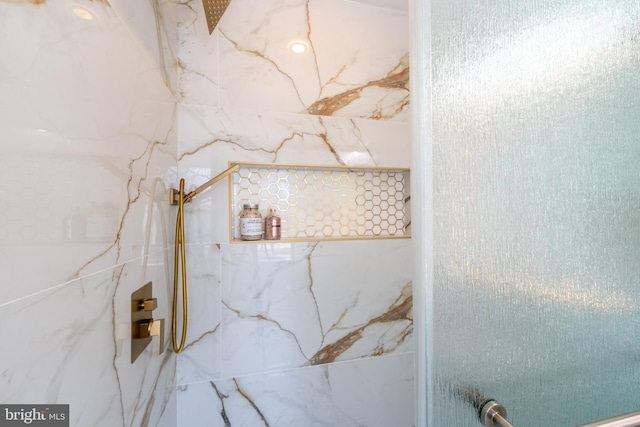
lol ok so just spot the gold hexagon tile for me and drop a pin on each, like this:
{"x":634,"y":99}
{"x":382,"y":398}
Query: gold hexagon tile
{"x":322,"y":202}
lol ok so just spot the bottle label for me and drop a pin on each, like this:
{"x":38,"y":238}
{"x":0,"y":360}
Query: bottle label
{"x":273,"y":228}
{"x":250,"y":226}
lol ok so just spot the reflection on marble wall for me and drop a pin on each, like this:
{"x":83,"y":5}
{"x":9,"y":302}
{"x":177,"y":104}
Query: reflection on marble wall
{"x":284,"y":333}
{"x":88,"y":149}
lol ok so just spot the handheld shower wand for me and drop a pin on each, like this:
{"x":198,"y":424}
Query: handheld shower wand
{"x":178,"y":197}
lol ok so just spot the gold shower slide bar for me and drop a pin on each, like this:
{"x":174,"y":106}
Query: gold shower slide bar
{"x":174,"y":195}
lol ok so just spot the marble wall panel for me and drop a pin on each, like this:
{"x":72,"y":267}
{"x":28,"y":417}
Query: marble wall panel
{"x":373,"y":392}
{"x":89,"y":144}
{"x":292,"y":329}
{"x":356,"y":64}
{"x":200,"y":360}
{"x":71,"y":345}
{"x":295,"y":304}
{"x":153,"y":26}
{"x":285,"y":305}
{"x":197,"y":56}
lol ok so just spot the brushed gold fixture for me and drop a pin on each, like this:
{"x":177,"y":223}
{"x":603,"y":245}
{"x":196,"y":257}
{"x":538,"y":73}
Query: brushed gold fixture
{"x":152,"y":328}
{"x":175,"y":197}
{"x":213,"y":10}
{"x":178,"y":197}
{"x":149,"y":304}
{"x":143,"y":328}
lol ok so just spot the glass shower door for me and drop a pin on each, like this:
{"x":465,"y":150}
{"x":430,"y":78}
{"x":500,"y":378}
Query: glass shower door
{"x":536,"y":222}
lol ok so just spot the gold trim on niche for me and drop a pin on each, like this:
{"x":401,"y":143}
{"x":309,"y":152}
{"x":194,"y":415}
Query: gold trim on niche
{"x":324,"y":202}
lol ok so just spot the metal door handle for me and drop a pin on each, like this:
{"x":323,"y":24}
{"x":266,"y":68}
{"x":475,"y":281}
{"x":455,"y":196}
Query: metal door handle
{"x":632,"y":419}
{"x":493,"y":414}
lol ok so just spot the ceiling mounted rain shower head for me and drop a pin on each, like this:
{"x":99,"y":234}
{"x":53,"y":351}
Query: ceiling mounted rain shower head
{"x":213,"y":10}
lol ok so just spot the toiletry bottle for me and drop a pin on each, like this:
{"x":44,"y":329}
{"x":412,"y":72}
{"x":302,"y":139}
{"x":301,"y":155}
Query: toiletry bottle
{"x":272,"y":225}
{"x":250,"y":223}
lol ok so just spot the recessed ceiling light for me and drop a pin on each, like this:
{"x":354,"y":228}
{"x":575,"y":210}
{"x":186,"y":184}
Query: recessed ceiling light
{"x":82,"y":12}
{"x":298,"y":46}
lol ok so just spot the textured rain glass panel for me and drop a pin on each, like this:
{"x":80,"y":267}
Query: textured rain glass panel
{"x":537,"y":209}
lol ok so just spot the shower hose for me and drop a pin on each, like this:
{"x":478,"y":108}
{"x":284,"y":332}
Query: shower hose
{"x":179,"y":266}
{"x":178,"y":197}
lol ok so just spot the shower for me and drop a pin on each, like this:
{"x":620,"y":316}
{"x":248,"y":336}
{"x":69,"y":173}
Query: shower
{"x":213,"y":10}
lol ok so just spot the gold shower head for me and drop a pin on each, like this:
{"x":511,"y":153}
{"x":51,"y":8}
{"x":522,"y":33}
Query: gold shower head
{"x":213,"y":10}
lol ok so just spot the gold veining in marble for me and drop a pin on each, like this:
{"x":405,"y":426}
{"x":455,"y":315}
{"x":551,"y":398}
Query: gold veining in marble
{"x":263,"y":318}
{"x":400,"y":311}
{"x":251,"y":402}
{"x":264,"y":57}
{"x":136,"y":186}
{"x":202,"y":336}
{"x":223,"y":397}
{"x":396,"y":79}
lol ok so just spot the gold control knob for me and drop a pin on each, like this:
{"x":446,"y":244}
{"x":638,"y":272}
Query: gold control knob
{"x":149,"y":304}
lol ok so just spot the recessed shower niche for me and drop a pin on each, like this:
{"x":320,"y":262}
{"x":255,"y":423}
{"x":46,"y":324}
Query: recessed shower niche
{"x":322,"y":202}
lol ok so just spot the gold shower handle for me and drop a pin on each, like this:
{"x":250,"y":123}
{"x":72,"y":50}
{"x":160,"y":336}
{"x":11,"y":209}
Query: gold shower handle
{"x":148,"y":304}
{"x":152,"y":328}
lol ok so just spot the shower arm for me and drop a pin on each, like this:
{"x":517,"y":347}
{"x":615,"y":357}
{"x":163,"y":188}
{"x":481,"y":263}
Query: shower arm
{"x":174,"y":195}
